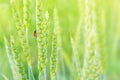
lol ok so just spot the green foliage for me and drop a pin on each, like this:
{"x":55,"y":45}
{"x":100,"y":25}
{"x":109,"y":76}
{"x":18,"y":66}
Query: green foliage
{"x":71,"y":42}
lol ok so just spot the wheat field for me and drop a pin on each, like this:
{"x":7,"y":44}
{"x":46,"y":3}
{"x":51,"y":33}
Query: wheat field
{"x":59,"y":40}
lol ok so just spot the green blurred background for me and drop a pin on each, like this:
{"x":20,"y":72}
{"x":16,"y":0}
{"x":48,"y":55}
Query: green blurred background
{"x":68,"y":12}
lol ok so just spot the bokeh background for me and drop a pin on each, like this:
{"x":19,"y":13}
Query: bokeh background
{"x":68,"y":12}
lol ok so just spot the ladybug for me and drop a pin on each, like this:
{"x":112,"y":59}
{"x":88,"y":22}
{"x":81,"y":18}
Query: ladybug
{"x":35,"y":34}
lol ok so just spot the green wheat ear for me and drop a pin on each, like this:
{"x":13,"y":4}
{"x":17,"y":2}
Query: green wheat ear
{"x":60,"y":61}
{"x":18,"y":62}
{"x":42,"y":19}
{"x":26,"y":13}
{"x":21,"y":33}
{"x":26,"y":16}
{"x":56,"y":53}
{"x":10,"y":58}
{"x":39,"y":28}
{"x":100,"y":23}
{"x":76,"y":62}
{"x":79,"y":40}
{"x":15,"y":60}
{"x":91,"y":63}
{"x":78,"y":35}
{"x":53,"y":57}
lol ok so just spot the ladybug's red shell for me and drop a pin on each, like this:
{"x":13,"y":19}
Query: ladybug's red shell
{"x":35,"y":33}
